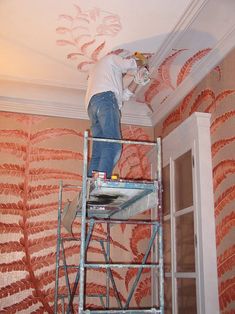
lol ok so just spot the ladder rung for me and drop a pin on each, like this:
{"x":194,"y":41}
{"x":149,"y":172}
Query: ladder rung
{"x":134,"y":311}
{"x":121,"y":265}
{"x":63,"y":296}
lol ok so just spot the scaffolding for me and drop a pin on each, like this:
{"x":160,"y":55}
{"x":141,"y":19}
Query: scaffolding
{"x":111,"y":202}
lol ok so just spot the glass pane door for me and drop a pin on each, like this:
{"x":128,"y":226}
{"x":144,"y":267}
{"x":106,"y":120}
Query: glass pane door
{"x":179,"y":236}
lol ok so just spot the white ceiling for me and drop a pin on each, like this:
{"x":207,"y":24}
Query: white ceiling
{"x":47,"y":47}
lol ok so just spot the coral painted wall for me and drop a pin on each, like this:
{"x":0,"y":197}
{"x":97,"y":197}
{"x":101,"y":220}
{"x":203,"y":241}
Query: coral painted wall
{"x":35,"y":153}
{"x":216,"y":95}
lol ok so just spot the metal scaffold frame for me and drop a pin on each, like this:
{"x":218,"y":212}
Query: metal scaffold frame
{"x":142,"y":195}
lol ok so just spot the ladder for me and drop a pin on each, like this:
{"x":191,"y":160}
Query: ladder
{"x":110,"y":202}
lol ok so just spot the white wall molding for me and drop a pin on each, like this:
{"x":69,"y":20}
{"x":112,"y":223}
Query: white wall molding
{"x":60,"y":102}
{"x":45,"y":108}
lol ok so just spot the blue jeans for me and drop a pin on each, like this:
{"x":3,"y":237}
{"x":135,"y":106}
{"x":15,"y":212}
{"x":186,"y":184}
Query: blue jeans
{"x":105,"y":117}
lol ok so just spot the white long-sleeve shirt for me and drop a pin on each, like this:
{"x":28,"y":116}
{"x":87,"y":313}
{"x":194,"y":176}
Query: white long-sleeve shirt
{"x":106,"y":75}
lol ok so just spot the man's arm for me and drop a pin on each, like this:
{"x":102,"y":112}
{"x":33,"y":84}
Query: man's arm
{"x":129,"y":91}
{"x":133,"y":86}
{"x":140,"y":78}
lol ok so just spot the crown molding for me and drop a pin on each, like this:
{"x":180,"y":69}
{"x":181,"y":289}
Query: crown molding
{"x":45,"y":108}
{"x":71,"y":109}
{"x":31,"y":98}
{"x":186,"y":20}
{"x":203,"y":67}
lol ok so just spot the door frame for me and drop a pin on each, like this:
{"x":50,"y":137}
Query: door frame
{"x":194,"y":134}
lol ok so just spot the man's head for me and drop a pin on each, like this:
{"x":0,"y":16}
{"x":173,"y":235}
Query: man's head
{"x":140,"y":59}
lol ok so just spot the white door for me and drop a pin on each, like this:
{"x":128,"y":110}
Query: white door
{"x":189,"y":228}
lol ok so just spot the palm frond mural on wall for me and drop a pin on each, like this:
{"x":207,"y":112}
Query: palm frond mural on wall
{"x":216,"y":95}
{"x":36,"y":152}
{"x":167,"y":77}
{"x":30,"y":170}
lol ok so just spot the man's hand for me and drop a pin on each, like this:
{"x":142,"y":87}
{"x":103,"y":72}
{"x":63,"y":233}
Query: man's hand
{"x":142,"y":76}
